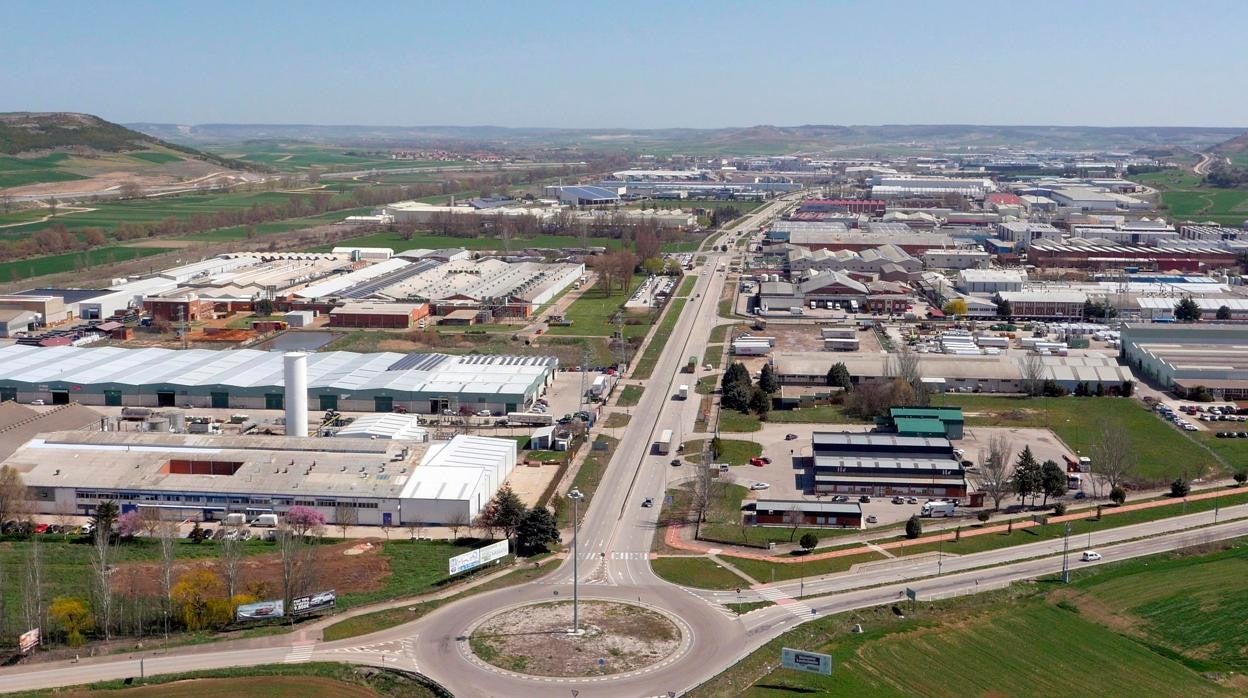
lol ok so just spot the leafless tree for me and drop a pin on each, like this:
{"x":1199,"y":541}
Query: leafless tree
{"x":702,"y":491}
{"x":231,"y":561}
{"x":385,"y":528}
{"x":793,"y":518}
{"x":345,"y":516}
{"x":149,"y":521}
{"x":12,"y":492}
{"x":32,"y":592}
{"x":995,"y":469}
{"x":166,"y":535}
{"x":296,"y":556}
{"x":1033,"y":374}
{"x":101,"y":566}
{"x":51,"y":203}
{"x":6,"y":203}
{"x":414,"y":529}
{"x":1111,"y":457}
{"x":905,"y":365}
{"x":4,"y":609}
{"x":457,"y":522}
{"x":130,"y":189}
{"x":63,"y":518}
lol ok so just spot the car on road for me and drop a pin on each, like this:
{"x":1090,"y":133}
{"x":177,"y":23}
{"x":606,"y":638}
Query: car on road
{"x":759,"y":486}
{"x":790,"y":437}
{"x":760,"y":461}
{"x":864,"y":499}
{"x":1090,"y":556}
{"x":675,"y":462}
{"x":899,"y":500}
{"x":483,"y":413}
{"x":912,"y":500}
{"x":871,"y":518}
{"x":648,"y":502}
{"x":840,"y":498}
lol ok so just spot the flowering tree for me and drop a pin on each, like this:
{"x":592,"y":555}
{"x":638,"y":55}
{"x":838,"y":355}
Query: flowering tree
{"x":130,"y":523}
{"x":303,"y":520}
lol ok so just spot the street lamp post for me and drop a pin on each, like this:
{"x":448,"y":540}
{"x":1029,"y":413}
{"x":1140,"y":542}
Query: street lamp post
{"x":1065,"y":556}
{"x":576,"y":497}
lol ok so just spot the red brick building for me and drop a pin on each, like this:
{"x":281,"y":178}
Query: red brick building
{"x":183,"y":308}
{"x":394,"y":316}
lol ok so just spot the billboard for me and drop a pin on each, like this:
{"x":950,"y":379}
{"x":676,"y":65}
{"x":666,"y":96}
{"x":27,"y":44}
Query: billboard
{"x":28,"y":641}
{"x":319,"y":601}
{"x":806,"y":661}
{"x":475,"y":558}
{"x":261,"y":610}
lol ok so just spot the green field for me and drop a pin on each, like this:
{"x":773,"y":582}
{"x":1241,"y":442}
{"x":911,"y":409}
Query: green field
{"x":734,"y":421}
{"x":823,"y":414}
{"x":737,"y":452}
{"x":1184,"y":198}
{"x":154,"y":157}
{"x":298,"y":157}
{"x":592,"y":312}
{"x":1161,"y":452}
{"x":1144,"y":627}
{"x":700,"y":572}
{"x":658,"y":342}
{"x":71,"y":261}
{"x":630,"y":395}
{"x":16,"y":172}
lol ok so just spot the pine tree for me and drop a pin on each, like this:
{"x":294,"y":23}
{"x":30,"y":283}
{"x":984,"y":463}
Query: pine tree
{"x":767,"y":380}
{"x":1027,"y":475}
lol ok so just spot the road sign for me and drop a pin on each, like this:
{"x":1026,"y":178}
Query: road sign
{"x":812,"y":662}
{"x":912,"y":594}
{"x":602,"y":662}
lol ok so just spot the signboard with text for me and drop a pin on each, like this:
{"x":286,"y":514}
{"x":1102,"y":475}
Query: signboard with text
{"x":475,"y":558}
{"x":812,"y":662}
{"x":314,"y":603}
{"x":262,"y":610}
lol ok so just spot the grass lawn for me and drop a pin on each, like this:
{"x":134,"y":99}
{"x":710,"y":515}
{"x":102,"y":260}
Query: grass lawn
{"x":706,"y":385}
{"x":765,"y":571}
{"x":1161,"y":452}
{"x":630,"y":395}
{"x":592,"y":312}
{"x":415,"y":567}
{"x":1233,"y":451}
{"x":714,"y":355}
{"x":398,"y":243}
{"x":71,"y":261}
{"x":586,"y":480}
{"x":744,"y":608}
{"x":617,"y":420}
{"x":737,"y":452}
{"x":16,"y":172}
{"x":686,"y":286}
{"x":645,"y":365}
{"x":700,"y":572}
{"x":1112,"y":632}
{"x":760,"y":536}
{"x":725,"y":307}
{"x":824,"y":414}
{"x":734,"y":421}
{"x":719,"y":334}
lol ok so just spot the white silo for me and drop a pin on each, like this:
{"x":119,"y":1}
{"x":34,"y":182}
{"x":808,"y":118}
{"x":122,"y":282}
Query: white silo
{"x":296,"y":365}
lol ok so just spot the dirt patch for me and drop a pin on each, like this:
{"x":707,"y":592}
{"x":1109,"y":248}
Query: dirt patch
{"x":1099,"y":612}
{"x":274,"y":686}
{"x":344,"y":571}
{"x":534,"y":640}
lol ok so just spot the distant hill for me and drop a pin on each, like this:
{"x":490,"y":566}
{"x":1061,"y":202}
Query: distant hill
{"x":812,"y":138}
{"x":50,"y":132}
{"x":1233,"y":146}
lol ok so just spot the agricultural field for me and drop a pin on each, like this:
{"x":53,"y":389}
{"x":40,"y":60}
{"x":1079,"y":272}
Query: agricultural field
{"x":1161,"y":625}
{"x":298,"y":157}
{"x":71,"y":261}
{"x":1161,"y":452}
{"x":17,"y":172}
{"x":1184,"y":198}
{"x":591,"y":314}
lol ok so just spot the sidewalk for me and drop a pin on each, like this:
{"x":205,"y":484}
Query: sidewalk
{"x":673,"y":537}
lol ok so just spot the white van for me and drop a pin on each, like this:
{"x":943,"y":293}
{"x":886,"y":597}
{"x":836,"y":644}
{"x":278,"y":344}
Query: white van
{"x":937,"y":510}
{"x":235,"y":519}
{"x":265,"y":521}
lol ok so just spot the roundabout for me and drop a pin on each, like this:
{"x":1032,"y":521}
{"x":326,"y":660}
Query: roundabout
{"x":613,"y":639}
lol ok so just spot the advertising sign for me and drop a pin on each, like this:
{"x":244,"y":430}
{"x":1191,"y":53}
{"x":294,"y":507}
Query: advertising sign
{"x":261,"y":610}
{"x":806,"y":661}
{"x":912,"y":594}
{"x":475,"y":558}
{"x":319,"y":601}
{"x":28,"y":641}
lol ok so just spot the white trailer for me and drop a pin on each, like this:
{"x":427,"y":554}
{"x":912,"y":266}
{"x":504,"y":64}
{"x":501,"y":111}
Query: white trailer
{"x":664,"y":444}
{"x":937,"y":510}
{"x":682,"y":393}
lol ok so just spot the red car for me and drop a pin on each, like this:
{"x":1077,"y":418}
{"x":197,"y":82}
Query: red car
{"x":760,"y":461}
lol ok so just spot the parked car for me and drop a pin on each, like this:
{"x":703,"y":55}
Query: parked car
{"x":759,"y":486}
{"x":912,"y":500}
{"x":864,"y":499}
{"x":675,"y":461}
{"x":840,"y":498}
{"x":648,"y":502}
{"x":790,"y":437}
{"x":756,"y":461}
{"x":871,"y":518}
{"x":899,"y":500}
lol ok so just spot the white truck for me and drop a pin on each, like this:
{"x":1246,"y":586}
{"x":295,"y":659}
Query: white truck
{"x":937,"y":509}
{"x":664,"y":444}
{"x":682,"y":393}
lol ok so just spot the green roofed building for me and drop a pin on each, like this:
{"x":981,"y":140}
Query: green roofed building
{"x":927,"y":421}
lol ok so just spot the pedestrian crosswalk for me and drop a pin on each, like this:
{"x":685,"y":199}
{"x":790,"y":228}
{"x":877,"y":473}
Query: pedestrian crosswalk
{"x":616,"y":555}
{"x":785,"y":601}
{"x":299,"y":653}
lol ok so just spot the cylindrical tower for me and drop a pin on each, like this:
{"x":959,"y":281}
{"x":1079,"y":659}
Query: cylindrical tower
{"x":296,"y":365}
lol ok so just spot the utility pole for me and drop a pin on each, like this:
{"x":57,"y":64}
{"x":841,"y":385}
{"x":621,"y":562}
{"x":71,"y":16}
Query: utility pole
{"x":1066,"y":556}
{"x":576,"y":497}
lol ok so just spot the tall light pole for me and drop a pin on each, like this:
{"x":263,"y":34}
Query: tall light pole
{"x":576,"y":497}
{"x":1065,"y":556}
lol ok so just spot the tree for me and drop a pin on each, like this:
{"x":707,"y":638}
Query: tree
{"x":457,"y":521}
{"x":198,"y":534}
{"x":1118,"y":495}
{"x":104,"y":517}
{"x":1059,"y":509}
{"x":1033,"y":374}
{"x":71,"y":613}
{"x":1004,"y":309}
{"x":12,"y":492}
{"x":1180,"y":488}
{"x":905,"y":366}
{"x":194,"y":594}
{"x":537,"y":529}
{"x":230,"y":562}
{"x":1052,"y":480}
{"x":129,"y":524}
{"x":983,"y":516}
{"x":1241,"y":476}
{"x":504,"y":512}
{"x":130,"y":189}
{"x":838,"y":376}
{"x":793,"y":517}
{"x":1186,"y":310}
{"x":914,"y":527}
{"x":760,"y":402}
{"x":1224,"y":313}
{"x":808,"y":541}
{"x":296,"y":559}
{"x":1111,"y":456}
{"x":167,"y":535}
{"x":345,"y":516}
{"x":32,"y":592}
{"x":995,"y":469}
{"x":767,"y":380}
{"x":414,"y":529}
{"x":955,"y":307}
{"x":1027,"y":475}
{"x":264,"y":307}
{"x":303,"y":520}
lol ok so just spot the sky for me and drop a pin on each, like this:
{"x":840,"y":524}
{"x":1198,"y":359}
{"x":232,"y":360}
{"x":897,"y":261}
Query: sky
{"x":635,"y":64}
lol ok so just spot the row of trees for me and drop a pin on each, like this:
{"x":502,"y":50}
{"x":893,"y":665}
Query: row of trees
{"x":529,"y":530}
{"x":1187,"y":310}
{"x":740,"y":393}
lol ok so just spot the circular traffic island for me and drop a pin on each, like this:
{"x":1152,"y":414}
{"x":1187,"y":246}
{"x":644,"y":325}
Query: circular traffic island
{"x":537,"y":639}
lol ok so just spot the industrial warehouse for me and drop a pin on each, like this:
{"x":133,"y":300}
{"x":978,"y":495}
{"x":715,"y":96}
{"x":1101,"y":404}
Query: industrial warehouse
{"x":247,"y":378}
{"x":201,"y":477}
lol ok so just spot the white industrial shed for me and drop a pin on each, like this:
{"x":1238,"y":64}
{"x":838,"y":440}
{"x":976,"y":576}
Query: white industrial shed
{"x":497,"y":457}
{"x":437,"y":495}
{"x":404,"y":427}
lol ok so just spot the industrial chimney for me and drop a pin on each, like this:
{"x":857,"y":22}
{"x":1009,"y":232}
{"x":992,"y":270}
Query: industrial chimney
{"x":296,"y":364}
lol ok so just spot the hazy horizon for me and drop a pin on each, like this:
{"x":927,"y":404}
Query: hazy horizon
{"x":646,"y":65}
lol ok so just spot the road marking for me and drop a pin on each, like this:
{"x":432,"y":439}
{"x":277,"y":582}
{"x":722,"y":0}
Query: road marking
{"x":299,"y":653}
{"x":788,"y":603}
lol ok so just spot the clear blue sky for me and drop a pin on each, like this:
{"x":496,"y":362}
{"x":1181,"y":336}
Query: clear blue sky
{"x":634,"y":63}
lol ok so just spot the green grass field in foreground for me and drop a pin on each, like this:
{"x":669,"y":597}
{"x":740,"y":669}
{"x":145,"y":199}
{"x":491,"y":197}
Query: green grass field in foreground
{"x":696,"y":572}
{"x":1142,"y":627}
{"x":591,"y":313}
{"x":658,"y":342}
{"x":1160,"y":451}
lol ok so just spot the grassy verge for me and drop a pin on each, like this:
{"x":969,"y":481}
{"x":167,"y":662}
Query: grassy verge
{"x":719,"y":334}
{"x":630,"y":395}
{"x":658,"y":342}
{"x":713,"y":356}
{"x":744,"y":608}
{"x":700,"y":572}
{"x":686,"y":286}
{"x":767,"y":572}
{"x":617,"y":420}
{"x":737,"y":452}
{"x":1161,"y":453}
{"x":586,"y":480}
{"x":706,"y":385}
{"x":734,"y":421}
{"x":823,"y":414}
{"x":1114,"y":626}
{"x":592,"y":313}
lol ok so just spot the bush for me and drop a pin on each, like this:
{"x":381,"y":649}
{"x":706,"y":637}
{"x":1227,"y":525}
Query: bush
{"x":808,"y":541}
{"x":1118,"y":495}
{"x":1059,"y":509}
{"x":1241,"y":477}
{"x":914,"y":527}
{"x":1180,"y":488}
{"x":983,"y":516}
